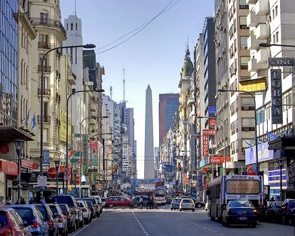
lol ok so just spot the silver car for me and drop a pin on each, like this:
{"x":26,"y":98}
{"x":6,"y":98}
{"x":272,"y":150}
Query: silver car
{"x":187,"y":204}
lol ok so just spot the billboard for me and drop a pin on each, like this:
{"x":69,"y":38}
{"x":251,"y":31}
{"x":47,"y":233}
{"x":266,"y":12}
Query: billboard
{"x":276,"y":96}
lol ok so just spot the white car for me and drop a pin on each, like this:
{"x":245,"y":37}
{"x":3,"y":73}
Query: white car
{"x":187,"y":204}
{"x":85,"y":211}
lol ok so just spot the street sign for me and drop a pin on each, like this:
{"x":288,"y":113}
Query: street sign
{"x":42,"y":181}
{"x":281,"y":61}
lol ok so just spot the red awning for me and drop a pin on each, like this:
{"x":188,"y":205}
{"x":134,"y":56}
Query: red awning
{"x":27,"y":164}
{"x":8,"y":167}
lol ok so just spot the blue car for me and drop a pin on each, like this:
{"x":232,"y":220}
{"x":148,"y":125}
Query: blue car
{"x":175,"y":203}
{"x":32,"y":218}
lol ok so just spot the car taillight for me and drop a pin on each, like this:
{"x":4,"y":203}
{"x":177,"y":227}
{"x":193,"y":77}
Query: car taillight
{"x":8,"y":232}
{"x":36,"y":224}
{"x":50,"y":223}
{"x":59,"y":219}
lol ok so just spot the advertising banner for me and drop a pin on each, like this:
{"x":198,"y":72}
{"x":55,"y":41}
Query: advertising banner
{"x":276,"y":96}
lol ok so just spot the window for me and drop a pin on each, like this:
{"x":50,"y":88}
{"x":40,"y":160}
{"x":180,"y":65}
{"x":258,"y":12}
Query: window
{"x":248,"y":124}
{"x":247,"y":104}
{"x":243,"y":4}
{"x":243,"y":22}
{"x":243,"y":42}
{"x":43,"y":18}
{"x":72,"y":26}
{"x":277,"y":36}
{"x":244,"y":63}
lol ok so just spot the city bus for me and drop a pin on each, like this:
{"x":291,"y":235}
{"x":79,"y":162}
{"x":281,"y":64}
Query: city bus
{"x":231,"y":187}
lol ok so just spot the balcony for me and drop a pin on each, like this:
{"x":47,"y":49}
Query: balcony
{"x":252,"y":65}
{"x":252,"y":42}
{"x":46,"y":69}
{"x":262,"y":31}
{"x":44,"y":45}
{"x":253,"y":20}
{"x":261,"y":8}
{"x":49,"y":23}
{"x":47,"y":92}
{"x":47,"y":119}
{"x":262,"y":56}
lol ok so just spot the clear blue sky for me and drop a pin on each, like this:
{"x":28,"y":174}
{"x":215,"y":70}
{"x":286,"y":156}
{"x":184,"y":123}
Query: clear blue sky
{"x":154,"y":56}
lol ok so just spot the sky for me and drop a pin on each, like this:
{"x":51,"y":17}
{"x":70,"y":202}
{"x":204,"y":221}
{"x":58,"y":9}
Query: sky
{"x":153,"y":57}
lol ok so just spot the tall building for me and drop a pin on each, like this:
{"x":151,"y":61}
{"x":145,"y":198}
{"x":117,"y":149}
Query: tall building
{"x":149,"y":136}
{"x":168,"y":106}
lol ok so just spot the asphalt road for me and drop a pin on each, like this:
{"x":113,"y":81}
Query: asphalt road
{"x":163,"y":222}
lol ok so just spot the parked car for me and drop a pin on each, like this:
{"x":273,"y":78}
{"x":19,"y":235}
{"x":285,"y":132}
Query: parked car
{"x":91,"y":207}
{"x":96,"y":204}
{"x":71,"y":219}
{"x":62,"y":223}
{"x":12,"y":224}
{"x":187,"y":204}
{"x":99,"y":201}
{"x":32,"y":218}
{"x":287,"y":211}
{"x":103,"y":201}
{"x":239,"y":212}
{"x":48,"y":218}
{"x":115,"y":201}
{"x":174,"y":205}
{"x":270,"y":212}
{"x":86,"y":212}
{"x":72,"y":204}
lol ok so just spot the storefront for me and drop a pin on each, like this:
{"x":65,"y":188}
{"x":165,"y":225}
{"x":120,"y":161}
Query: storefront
{"x":9,"y":173}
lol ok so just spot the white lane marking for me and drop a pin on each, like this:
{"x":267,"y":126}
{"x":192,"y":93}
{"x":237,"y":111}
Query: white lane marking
{"x":140,"y":224}
{"x":80,"y":230}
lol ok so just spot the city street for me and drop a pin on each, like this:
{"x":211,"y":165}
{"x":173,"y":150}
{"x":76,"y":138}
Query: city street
{"x":162,"y":222}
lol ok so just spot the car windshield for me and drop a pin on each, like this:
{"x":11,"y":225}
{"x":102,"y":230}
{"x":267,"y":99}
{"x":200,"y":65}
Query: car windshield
{"x":240,"y":204}
{"x":3,"y":219}
{"x":176,"y":200}
{"x":291,"y":204}
{"x":53,"y":209}
{"x":186,"y":201}
{"x":63,"y":209}
{"x":43,"y":212}
{"x":66,"y":200}
{"x":25,"y":213}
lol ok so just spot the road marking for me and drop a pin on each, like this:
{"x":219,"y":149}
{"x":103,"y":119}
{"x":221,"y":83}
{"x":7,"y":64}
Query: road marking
{"x":84,"y":227}
{"x":140,"y":224}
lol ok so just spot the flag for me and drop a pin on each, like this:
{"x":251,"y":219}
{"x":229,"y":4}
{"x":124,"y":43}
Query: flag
{"x":34,"y":122}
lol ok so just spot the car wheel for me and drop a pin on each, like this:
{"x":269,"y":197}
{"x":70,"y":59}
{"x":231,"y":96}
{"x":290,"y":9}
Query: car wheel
{"x":171,"y":209}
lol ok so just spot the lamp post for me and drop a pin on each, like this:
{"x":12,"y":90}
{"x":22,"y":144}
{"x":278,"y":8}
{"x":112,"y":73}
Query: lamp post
{"x":57,"y":162}
{"x":75,"y":180}
{"x":87,"y":46}
{"x":67,"y":127}
{"x":19,"y":144}
{"x":223,"y":134}
{"x":255,"y":119}
{"x":267,"y":45}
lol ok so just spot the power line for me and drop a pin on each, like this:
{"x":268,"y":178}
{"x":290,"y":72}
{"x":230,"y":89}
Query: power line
{"x":138,"y":29}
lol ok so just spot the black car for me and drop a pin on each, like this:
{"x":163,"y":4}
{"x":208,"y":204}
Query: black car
{"x":239,"y":212}
{"x":71,"y":219}
{"x":72,"y":204}
{"x":271,"y":212}
{"x":48,"y":218}
{"x":287,"y":211}
{"x":139,"y":201}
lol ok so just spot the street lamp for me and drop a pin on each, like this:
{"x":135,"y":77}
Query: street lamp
{"x":75,"y":180}
{"x":57,"y":162}
{"x":19,"y":144}
{"x":87,"y":46}
{"x":267,"y":45}
{"x":255,"y":119}
{"x":67,"y":126}
{"x":223,"y":134}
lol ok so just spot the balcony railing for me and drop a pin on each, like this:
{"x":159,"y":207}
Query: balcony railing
{"x":45,"y":69}
{"x":46,"y":92}
{"x":44,"y":45}
{"x":47,"y":119}
{"x":50,"y":23}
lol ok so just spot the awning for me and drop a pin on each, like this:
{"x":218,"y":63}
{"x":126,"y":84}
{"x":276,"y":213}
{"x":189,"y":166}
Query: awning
{"x":10,"y":134}
{"x":282,"y":143}
{"x":8,"y":167}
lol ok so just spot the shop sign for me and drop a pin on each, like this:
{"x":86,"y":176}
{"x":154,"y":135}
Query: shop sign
{"x":219,"y":159}
{"x":209,"y":132}
{"x":27,"y":164}
{"x":276,"y":96}
{"x":8,"y":167}
{"x":205,"y":145}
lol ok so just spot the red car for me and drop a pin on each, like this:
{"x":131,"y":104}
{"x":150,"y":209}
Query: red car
{"x":115,"y":201}
{"x":12,"y":224}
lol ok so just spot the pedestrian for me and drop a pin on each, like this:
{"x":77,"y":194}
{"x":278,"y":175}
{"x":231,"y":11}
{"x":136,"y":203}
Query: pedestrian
{"x":22,"y":201}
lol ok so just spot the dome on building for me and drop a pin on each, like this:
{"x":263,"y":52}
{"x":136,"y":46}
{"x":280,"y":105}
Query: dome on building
{"x":188,"y":67}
